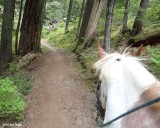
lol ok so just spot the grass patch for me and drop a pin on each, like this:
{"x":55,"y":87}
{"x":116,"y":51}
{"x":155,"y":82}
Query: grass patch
{"x":12,"y":89}
{"x":12,"y":104}
{"x":59,"y":39}
{"x":19,"y":79}
{"x":154,"y":60}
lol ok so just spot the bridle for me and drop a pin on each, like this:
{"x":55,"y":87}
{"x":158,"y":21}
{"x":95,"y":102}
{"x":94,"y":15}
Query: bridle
{"x":101,"y":111}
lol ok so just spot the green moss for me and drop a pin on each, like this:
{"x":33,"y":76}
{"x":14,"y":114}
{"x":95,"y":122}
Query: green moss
{"x":11,"y":103}
{"x":58,"y":38}
{"x":143,"y":36}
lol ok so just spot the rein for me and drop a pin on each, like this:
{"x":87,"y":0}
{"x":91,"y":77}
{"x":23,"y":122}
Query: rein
{"x":146,"y":104}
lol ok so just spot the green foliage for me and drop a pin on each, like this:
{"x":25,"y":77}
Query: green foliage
{"x":154,"y":60}
{"x":12,"y":87}
{"x":19,"y":79}
{"x":56,"y":10}
{"x":11,"y":103}
{"x":63,"y":40}
{"x":68,"y":40}
{"x":153,"y":11}
{"x":45,"y":33}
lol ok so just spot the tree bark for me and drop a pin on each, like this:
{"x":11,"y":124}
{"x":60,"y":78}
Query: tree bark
{"x":109,"y":14}
{"x":86,"y":16}
{"x":18,"y":27}
{"x":80,"y":18}
{"x":152,"y":38}
{"x":6,"y":36}
{"x":125,"y":18}
{"x":93,"y":20}
{"x":138,"y":23}
{"x":31,"y":26}
{"x":68,"y":15}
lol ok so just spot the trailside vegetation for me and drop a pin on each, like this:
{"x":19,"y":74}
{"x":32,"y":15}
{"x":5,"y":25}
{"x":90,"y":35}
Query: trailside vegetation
{"x":124,"y":17}
{"x":115,"y":24}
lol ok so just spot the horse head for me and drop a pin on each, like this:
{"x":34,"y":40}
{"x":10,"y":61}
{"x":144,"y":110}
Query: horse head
{"x":126,"y":83}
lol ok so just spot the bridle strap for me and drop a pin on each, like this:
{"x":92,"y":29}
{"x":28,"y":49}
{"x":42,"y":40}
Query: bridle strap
{"x":146,"y":104}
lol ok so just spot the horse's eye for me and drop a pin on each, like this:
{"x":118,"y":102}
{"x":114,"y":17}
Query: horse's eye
{"x":118,"y":59}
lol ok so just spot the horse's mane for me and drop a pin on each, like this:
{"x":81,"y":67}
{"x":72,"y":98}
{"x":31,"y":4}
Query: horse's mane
{"x":103,"y":65}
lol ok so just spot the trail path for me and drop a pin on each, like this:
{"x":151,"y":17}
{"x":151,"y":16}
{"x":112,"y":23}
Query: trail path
{"x":59,"y":97}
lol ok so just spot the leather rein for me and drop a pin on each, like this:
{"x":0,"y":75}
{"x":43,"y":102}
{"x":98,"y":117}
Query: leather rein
{"x":101,"y":111}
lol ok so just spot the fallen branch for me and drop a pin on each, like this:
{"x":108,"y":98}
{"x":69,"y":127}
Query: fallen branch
{"x":147,"y":39}
{"x":25,"y":60}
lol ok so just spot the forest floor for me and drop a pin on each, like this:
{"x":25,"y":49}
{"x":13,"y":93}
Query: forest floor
{"x":59,"y":97}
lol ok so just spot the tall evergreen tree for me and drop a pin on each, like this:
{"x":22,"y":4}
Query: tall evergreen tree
{"x":138,"y":23}
{"x":125,"y":18}
{"x":86,"y":16}
{"x":31,"y":26}
{"x":109,"y":14}
{"x":6,"y":35}
{"x":68,"y":15}
{"x":18,"y":27}
{"x":92,"y":24}
{"x":80,"y":17}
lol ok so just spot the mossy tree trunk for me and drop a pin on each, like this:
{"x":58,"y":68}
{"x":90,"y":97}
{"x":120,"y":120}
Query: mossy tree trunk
{"x":86,"y":16}
{"x":18,"y":27}
{"x":68,"y":15}
{"x":92,"y":24}
{"x":152,"y":38}
{"x":125,"y":18}
{"x":109,"y":14}
{"x":31,"y":26}
{"x":6,"y":35}
{"x":80,"y":18}
{"x":138,"y":23}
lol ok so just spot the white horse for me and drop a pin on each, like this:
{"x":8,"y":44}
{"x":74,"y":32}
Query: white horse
{"x":125,"y":83}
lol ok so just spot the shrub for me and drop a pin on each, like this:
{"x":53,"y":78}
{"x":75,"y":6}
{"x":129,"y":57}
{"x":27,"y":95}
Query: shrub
{"x":21,"y":81}
{"x":154,"y":60}
{"x":11,"y":103}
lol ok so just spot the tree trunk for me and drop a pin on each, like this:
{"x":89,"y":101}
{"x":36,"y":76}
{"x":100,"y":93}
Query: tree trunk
{"x":93,"y":20}
{"x":125,"y":18}
{"x":31,"y":26}
{"x":86,"y":16}
{"x":18,"y":27}
{"x":109,"y":14}
{"x":137,"y":26}
{"x":6,"y":36}
{"x":68,"y":15}
{"x":152,"y":38}
{"x":80,"y":18}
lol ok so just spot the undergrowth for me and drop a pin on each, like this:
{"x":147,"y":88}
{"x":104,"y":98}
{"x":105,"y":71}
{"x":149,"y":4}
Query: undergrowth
{"x":12,"y":89}
{"x":12,"y":104}
{"x":59,"y":39}
{"x":19,"y":79}
{"x":88,"y":57}
{"x":154,"y":60}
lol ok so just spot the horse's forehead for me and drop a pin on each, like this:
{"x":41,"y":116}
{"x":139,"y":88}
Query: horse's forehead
{"x":112,"y":56}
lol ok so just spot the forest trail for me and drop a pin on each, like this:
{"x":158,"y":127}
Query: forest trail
{"x":59,"y":97}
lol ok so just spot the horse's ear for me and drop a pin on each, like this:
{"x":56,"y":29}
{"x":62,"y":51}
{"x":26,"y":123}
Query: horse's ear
{"x":138,"y":52}
{"x":101,"y":51}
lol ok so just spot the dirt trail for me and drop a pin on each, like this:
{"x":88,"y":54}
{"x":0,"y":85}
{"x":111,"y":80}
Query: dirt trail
{"x":59,"y":97}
